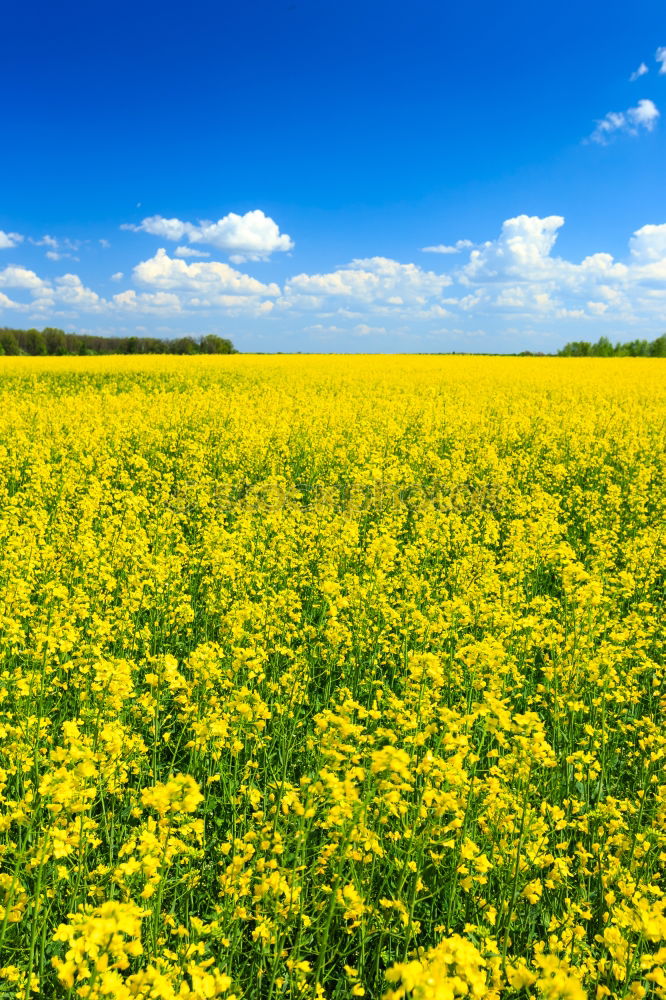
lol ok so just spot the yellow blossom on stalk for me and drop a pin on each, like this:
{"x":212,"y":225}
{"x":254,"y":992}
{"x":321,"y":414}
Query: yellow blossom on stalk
{"x":452,"y":968}
{"x":392,"y":761}
{"x":178,"y":795}
{"x":557,"y":980}
{"x":352,"y":903}
{"x":13,"y":899}
{"x":99,"y":943}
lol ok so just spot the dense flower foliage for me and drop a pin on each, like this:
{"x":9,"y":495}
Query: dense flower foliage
{"x":332,"y":677}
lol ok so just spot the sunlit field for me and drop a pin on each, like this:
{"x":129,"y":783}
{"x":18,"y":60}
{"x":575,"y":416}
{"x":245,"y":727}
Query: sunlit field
{"x":331,"y":677}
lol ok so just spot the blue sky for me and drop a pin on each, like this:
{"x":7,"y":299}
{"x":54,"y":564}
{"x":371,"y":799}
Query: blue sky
{"x":275,"y":172}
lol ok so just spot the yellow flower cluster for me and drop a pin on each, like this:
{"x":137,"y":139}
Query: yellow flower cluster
{"x":180,"y":794}
{"x":332,"y":677}
{"x":453,"y":968}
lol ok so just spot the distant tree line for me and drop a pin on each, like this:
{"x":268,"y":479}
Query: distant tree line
{"x":52,"y":341}
{"x":604,"y":349}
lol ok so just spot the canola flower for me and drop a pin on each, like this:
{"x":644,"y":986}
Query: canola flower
{"x":332,"y":677}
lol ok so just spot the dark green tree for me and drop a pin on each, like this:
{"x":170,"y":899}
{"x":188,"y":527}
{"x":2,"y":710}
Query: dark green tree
{"x":34,"y":342}
{"x":212,"y":344}
{"x":658,"y":347}
{"x":184,"y":345}
{"x":602,"y":349}
{"x":9,"y":342}
{"x":56,"y":342}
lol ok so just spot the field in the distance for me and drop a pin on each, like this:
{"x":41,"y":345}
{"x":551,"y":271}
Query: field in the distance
{"x":332,"y":677}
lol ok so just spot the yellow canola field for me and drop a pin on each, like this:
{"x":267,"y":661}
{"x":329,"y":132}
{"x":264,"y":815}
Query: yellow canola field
{"x":331,"y":677}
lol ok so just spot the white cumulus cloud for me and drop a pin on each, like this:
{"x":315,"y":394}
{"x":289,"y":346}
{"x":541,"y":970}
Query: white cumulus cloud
{"x":206,"y":284}
{"x":648,"y":254}
{"x":163,"y":271}
{"x":21,"y":277}
{"x":523,"y":248}
{"x":67,"y":290}
{"x":448,"y":248}
{"x":58,"y":249}
{"x":190,"y":252}
{"x":9,"y":240}
{"x":630,"y":122}
{"x":660,"y":56}
{"x":46,"y":241}
{"x":7,"y":303}
{"x":151,"y":302}
{"x":648,"y":244}
{"x":70,"y":290}
{"x":638,"y":73}
{"x":519,"y":272}
{"x":253,"y":236}
{"x":373,"y":281}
